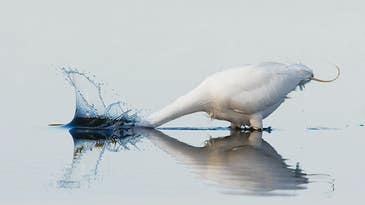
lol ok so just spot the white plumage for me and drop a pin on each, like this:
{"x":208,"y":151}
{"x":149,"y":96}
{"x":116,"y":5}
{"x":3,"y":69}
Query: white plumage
{"x":243,"y":96}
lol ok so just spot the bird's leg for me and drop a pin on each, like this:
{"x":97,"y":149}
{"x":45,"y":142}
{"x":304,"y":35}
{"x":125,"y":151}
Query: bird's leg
{"x":255,"y":139}
{"x":256,"y":123}
{"x":235,"y":131}
{"x":235,"y":126}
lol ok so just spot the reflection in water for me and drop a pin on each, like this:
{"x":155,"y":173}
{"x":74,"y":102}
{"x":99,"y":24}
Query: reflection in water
{"x":242,"y":162}
{"x":89,"y":147}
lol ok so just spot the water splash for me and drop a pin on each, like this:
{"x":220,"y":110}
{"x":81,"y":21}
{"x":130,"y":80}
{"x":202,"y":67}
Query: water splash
{"x":97,"y":127}
{"x":91,"y":108}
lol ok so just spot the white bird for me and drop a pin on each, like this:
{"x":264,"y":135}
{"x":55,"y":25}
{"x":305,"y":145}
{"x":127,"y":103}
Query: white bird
{"x":243,"y":96}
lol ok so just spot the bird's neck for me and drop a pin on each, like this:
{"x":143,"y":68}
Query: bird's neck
{"x":194,"y":101}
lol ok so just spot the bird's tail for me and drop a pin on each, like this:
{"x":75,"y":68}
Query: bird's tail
{"x":328,"y":81}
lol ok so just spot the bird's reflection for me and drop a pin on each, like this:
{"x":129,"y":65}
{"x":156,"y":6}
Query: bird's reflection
{"x":89,"y":148}
{"x":241,"y":162}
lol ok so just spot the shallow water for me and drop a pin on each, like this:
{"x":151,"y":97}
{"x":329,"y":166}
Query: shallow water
{"x":101,"y":157}
{"x":151,"y":52}
{"x":80,"y":165}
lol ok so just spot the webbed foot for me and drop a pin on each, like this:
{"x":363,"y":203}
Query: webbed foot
{"x":264,"y":129}
{"x":249,"y":129}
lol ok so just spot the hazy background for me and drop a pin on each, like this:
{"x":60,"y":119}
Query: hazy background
{"x":154,"y":51}
{"x":151,"y":52}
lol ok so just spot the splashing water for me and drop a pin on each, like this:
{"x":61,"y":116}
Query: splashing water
{"x":91,"y":109}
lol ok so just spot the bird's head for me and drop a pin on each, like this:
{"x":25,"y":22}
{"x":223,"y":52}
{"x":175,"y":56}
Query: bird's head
{"x":306,"y":75}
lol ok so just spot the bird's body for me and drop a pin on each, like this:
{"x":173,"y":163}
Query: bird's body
{"x":242,"y":96}
{"x":248,"y":94}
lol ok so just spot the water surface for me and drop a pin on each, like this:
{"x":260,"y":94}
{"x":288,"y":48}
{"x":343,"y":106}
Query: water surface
{"x":151,"y":52}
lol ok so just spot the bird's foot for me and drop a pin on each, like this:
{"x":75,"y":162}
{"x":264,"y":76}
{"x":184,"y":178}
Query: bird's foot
{"x":246,"y":128}
{"x":257,"y":129}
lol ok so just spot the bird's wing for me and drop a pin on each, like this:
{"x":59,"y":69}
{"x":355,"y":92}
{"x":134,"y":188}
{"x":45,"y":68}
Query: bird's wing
{"x":263,"y":88}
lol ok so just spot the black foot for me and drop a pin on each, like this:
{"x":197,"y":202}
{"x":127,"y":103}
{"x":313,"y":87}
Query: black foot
{"x":252,"y":129}
{"x":267,"y":129}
